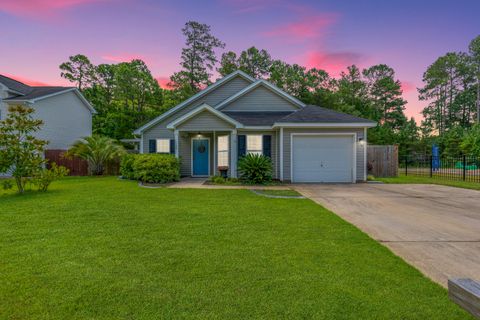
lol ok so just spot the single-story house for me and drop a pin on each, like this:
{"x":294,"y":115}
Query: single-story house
{"x":66,"y":114}
{"x":239,"y":114}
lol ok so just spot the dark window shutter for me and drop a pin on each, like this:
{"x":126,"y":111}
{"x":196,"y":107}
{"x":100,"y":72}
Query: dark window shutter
{"x":172,"y":146}
{"x":267,"y":146}
{"x":242,"y":146}
{"x":152,"y":146}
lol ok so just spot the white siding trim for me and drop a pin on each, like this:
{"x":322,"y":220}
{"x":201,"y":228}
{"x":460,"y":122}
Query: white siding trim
{"x":203,"y":107}
{"x":354,"y":143}
{"x":233,"y":152}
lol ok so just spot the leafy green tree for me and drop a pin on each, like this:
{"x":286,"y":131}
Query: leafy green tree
{"x":21,"y":153}
{"x":255,"y":62}
{"x":385,"y":94}
{"x":198,"y":57}
{"x":470,"y":144}
{"x":79,"y":70}
{"x":228,"y":63}
{"x":474,"y":50}
{"x":98,"y":151}
{"x":252,"y":61}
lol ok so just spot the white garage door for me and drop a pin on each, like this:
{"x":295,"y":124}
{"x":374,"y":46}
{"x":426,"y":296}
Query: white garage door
{"x":322,"y":158}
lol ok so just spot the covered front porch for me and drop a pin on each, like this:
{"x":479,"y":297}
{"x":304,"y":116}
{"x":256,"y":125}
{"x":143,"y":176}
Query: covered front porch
{"x":206,"y":153}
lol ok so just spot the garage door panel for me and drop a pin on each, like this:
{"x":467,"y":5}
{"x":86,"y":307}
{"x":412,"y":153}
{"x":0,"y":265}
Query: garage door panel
{"x":318,"y":158}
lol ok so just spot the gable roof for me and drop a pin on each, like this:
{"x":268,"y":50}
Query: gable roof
{"x":14,"y":85}
{"x":312,"y":114}
{"x":265,"y":84}
{"x":38,"y":92}
{"x":251,"y":118}
{"x":196,"y":96}
{"x":30,"y":94}
{"x":203,"y":107}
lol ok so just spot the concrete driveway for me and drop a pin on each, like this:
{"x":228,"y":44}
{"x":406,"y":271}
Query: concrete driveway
{"x":435,"y":228}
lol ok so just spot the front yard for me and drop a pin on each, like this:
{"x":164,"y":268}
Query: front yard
{"x":101,"y":248}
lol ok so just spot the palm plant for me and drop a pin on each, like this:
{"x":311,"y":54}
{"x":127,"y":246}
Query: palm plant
{"x":255,"y":168}
{"x":97,"y":150}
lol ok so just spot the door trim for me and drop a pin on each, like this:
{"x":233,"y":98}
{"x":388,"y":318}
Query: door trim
{"x":354,"y":143}
{"x":191,"y":152}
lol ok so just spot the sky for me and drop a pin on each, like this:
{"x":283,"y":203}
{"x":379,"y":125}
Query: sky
{"x":38,"y":35}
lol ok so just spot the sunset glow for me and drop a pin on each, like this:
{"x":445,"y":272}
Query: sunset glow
{"x":41,"y":34}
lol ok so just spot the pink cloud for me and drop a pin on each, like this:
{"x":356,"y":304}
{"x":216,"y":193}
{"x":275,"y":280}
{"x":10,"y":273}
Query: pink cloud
{"x":307,"y":28}
{"x":123,"y":57}
{"x":407,"y":86}
{"x":332,"y":62}
{"x":163,"y":82}
{"x":28,"y":82}
{"x":39,"y":8}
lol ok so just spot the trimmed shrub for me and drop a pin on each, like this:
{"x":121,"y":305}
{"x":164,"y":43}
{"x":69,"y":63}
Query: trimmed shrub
{"x":43,"y":178}
{"x":255,"y":169}
{"x":156,"y":168}
{"x":126,"y":166}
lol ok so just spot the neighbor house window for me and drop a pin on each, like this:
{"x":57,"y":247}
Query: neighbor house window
{"x":222,"y":152}
{"x":163,"y":145}
{"x":254,"y":144}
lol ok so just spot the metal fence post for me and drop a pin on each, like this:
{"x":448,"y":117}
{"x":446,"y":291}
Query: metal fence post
{"x":431,"y":166}
{"x":464,"y":166}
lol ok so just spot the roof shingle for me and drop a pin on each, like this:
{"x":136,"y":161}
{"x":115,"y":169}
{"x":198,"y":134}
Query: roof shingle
{"x":311,"y":113}
{"x":257,"y":118}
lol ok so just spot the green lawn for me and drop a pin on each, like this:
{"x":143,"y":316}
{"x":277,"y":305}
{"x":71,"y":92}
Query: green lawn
{"x":102,"y":248}
{"x":402,"y":178}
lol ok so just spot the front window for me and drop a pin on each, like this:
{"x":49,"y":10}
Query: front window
{"x":254,"y":144}
{"x":163,"y":145}
{"x":222,"y":152}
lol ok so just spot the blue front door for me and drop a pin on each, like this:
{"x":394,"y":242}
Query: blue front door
{"x":200,"y":157}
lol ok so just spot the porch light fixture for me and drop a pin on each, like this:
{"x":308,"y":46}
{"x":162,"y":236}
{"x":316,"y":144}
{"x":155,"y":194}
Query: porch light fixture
{"x":361,"y":140}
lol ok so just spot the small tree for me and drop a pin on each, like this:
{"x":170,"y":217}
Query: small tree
{"x":97,"y":151}
{"x":471,"y":141}
{"x":20,"y":152}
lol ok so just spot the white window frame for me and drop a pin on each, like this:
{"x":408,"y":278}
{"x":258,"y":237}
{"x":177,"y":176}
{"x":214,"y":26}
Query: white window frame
{"x":223,"y":150}
{"x":254,"y":151}
{"x":157,"y":145}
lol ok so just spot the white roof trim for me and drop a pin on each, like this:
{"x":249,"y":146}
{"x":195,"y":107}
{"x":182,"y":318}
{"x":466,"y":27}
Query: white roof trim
{"x":324,"y":125}
{"x":255,"y":85}
{"x":200,"y":94}
{"x":203,"y":107}
{"x":75,"y":90}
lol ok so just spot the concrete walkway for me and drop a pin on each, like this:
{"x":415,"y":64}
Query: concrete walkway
{"x":199,"y":183}
{"x":435,"y":228}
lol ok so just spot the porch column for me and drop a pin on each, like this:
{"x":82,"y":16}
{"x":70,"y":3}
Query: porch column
{"x":175,"y":133}
{"x":233,"y":153}
{"x":214,"y":154}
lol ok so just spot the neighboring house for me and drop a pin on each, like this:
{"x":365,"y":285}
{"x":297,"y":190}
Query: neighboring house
{"x":66,"y":114}
{"x":239,"y":114}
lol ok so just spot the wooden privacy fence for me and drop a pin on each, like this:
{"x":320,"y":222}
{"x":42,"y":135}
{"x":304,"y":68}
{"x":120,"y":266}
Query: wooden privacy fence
{"x":77,"y":166}
{"x":382,"y":161}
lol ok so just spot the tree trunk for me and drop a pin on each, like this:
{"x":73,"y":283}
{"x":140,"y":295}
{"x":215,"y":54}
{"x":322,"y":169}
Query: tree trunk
{"x":18,"y":181}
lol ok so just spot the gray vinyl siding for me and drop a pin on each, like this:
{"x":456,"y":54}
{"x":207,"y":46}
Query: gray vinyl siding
{"x":205,"y":120}
{"x":360,"y":165}
{"x":260,"y":99}
{"x":275,"y":160}
{"x":214,"y":97}
{"x":65,"y":118}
